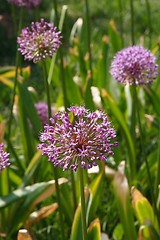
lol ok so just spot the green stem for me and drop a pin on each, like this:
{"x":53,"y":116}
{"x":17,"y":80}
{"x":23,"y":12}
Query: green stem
{"x":14,"y":17}
{"x":83,"y":210}
{"x":133,"y":115}
{"x":89,"y":39}
{"x":144,"y":158}
{"x":61,"y":61}
{"x":121,"y":22}
{"x":54,"y":169}
{"x":73,"y":190}
{"x":149,"y":22}
{"x":132,"y":164}
{"x":132,"y":22}
{"x":15,"y":78}
{"x":47,"y":90}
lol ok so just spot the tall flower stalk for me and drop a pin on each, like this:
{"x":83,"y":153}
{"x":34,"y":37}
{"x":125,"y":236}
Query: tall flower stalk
{"x":83,"y":207}
{"x":47,"y":89}
{"x":78,"y":138}
{"x":62,"y":77}
{"x":37,"y":43}
{"x":54,"y":169}
{"x":144,"y":157}
{"x":136,"y":66}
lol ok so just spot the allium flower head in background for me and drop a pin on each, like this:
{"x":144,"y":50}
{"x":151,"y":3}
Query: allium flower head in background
{"x":25,"y":3}
{"x":42,"y":111}
{"x":80,"y":142}
{"x":134,"y":65}
{"x":4,"y":158}
{"x":39,"y":42}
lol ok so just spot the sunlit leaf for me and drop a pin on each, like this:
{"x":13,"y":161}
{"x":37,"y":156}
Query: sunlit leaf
{"x":143,"y":208}
{"x":96,"y":188}
{"x":108,"y":99}
{"x":40,"y":214}
{"x":76,"y":231}
{"x":94,"y":230}
{"x":23,"y":234}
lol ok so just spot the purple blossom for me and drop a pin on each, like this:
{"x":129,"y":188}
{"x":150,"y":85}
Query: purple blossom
{"x":134,"y":65}
{"x":39,"y":42}
{"x":77,"y":138}
{"x":42,"y":111}
{"x":25,"y":3}
{"x":4,"y":160}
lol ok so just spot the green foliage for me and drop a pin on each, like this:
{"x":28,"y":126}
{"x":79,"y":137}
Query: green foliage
{"x":25,"y":187}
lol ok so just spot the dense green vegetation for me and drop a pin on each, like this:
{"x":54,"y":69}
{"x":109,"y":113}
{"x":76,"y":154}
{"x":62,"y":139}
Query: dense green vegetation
{"x":122,"y":197}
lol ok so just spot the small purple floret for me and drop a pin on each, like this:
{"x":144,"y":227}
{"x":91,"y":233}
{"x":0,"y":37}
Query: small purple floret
{"x":77,"y":138}
{"x":4,"y":158}
{"x":25,"y":3}
{"x":39,"y":42}
{"x":134,"y":66}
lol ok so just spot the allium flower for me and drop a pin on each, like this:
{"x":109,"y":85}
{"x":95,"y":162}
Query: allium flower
{"x":78,"y":143}
{"x":134,"y":65}
{"x":39,"y":42}
{"x":4,"y":160}
{"x":25,"y":3}
{"x":42,"y":111}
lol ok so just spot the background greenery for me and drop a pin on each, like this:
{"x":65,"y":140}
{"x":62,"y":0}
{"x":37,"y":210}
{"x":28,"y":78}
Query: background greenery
{"x":110,"y":31}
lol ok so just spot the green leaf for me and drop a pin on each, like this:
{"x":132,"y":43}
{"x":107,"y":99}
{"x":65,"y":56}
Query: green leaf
{"x":109,"y":101}
{"x":118,"y":232}
{"x":154,"y":98}
{"x":121,"y":189}
{"x":143,"y":209}
{"x":52,"y":62}
{"x":29,"y":108}
{"x":148,"y":232}
{"x":114,"y":37}
{"x":94,"y":230}
{"x":73,"y":92}
{"x":31,"y":168}
{"x":24,"y":200}
{"x":96,"y":188}
{"x":26,"y":135}
{"x":76,"y":231}
{"x":24,"y":192}
{"x":100,"y":75}
{"x":67,"y":205}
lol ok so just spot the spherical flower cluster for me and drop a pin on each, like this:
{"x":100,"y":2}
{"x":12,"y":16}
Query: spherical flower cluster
{"x":134,"y":66}
{"x":77,"y":138}
{"x":39,"y":42}
{"x":42,"y":111}
{"x":4,"y":159}
{"x":25,"y":3}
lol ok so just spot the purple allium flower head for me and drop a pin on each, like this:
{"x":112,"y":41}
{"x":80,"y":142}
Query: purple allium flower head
{"x":134,"y":65}
{"x":39,"y":42}
{"x":25,"y":3}
{"x":81,"y":142}
{"x":4,"y":159}
{"x":42,"y":111}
